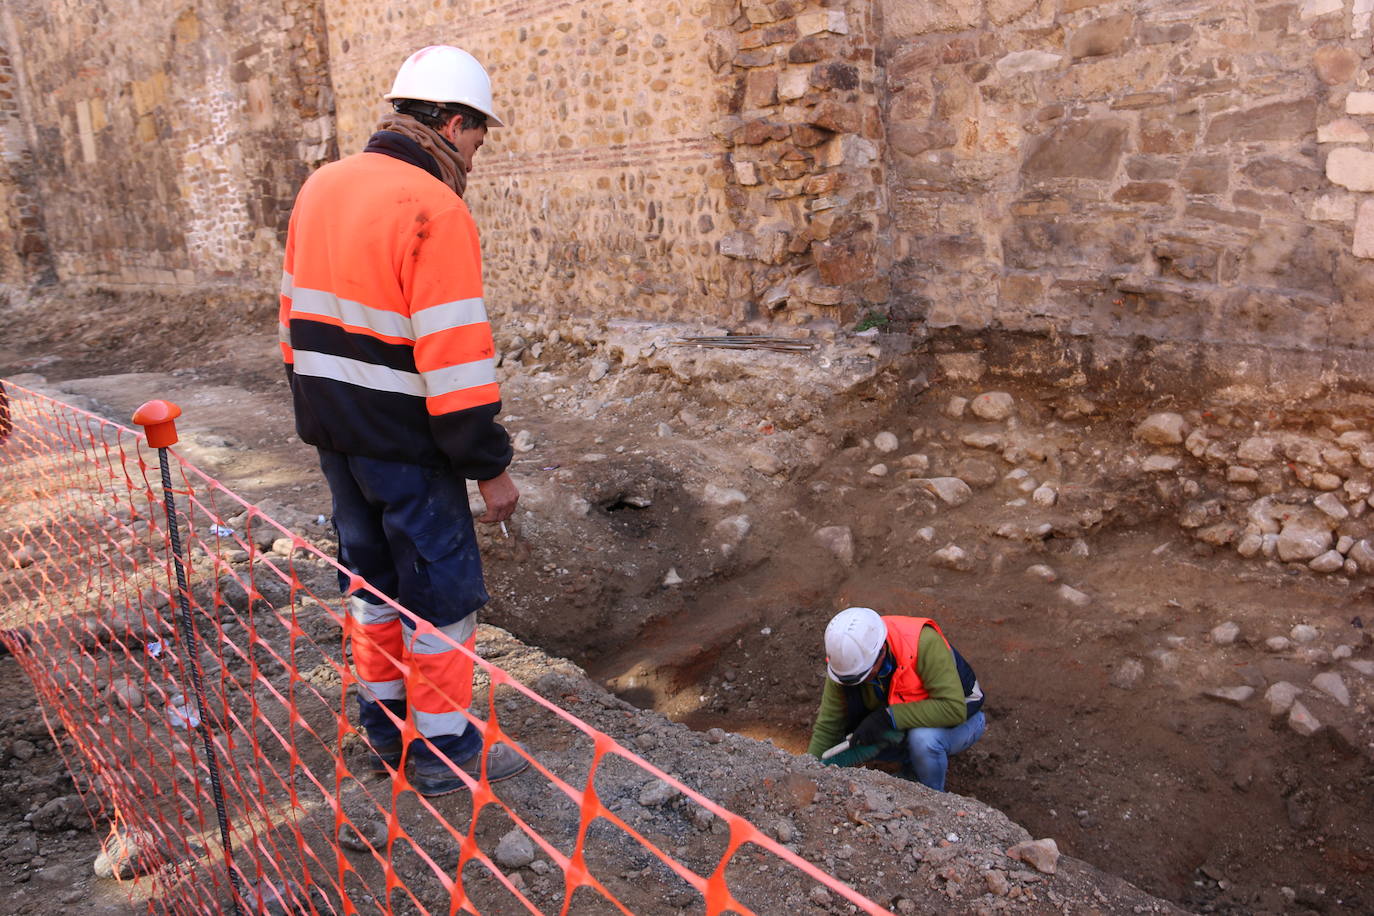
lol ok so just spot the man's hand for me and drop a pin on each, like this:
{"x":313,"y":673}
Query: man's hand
{"x":874,"y":728}
{"x":500,"y":495}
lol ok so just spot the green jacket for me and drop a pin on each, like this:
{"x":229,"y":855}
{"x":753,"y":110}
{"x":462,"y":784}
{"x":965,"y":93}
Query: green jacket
{"x":944,"y":708}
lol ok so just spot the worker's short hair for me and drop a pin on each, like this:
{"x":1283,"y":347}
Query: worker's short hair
{"x":436,"y":116}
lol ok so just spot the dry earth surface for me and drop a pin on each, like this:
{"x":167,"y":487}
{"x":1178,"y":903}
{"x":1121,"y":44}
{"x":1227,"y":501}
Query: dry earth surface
{"x":692,"y":517}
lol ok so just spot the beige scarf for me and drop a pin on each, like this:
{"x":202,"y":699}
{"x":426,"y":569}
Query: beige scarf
{"x":452,"y":168}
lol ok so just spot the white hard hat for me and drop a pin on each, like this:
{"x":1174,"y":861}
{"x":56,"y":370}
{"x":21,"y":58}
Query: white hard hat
{"x":445,"y":75}
{"x":853,"y":639}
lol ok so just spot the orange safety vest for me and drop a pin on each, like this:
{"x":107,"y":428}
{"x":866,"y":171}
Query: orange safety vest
{"x":903,"y":639}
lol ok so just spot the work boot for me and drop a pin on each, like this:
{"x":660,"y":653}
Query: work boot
{"x":384,"y":761}
{"x":434,"y":778}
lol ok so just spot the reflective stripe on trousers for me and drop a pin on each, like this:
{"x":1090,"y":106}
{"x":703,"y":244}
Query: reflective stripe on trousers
{"x":440,"y":682}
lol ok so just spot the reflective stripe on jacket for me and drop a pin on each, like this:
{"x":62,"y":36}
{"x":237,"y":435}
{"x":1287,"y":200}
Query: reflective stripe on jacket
{"x":383,"y":327}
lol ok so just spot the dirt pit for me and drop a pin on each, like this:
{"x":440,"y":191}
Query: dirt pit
{"x":691,"y":519}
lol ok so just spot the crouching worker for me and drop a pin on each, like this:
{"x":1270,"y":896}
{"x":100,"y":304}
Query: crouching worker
{"x":897,"y":690}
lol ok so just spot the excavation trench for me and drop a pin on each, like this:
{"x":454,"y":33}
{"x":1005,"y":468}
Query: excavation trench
{"x":1212,"y":805}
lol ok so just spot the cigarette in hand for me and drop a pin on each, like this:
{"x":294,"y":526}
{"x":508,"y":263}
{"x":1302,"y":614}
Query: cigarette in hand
{"x":504,"y":532}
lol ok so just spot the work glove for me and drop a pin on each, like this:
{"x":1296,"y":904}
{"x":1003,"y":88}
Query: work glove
{"x":874,"y":728}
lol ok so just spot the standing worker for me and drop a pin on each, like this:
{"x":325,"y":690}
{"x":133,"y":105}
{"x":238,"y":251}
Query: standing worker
{"x":896,"y":683}
{"x":391,"y":364}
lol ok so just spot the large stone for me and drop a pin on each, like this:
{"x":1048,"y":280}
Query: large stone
{"x":1019,"y":62}
{"x":1362,"y":552}
{"x":1302,"y":540}
{"x":1335,"y":64}
{"x":1351,"y":168}
{"x":1042,"y":855}
{"x":951,"y":490}
{"x":1342,"y":130}
{"x":839,"y":540}
{"x":992,"y":405}
{"x":1161,"y":429}
{"x":515,"y":849}
{"x":1330,"y":683}
{"x":904,"y":19}
{"x":1280,"y":697}
{"x":1363,"y":246}
{"x":1288,"y":121}
{"x":1301,"y":720}
{"x":1101,"y":37}
{"x":1089,"y":148}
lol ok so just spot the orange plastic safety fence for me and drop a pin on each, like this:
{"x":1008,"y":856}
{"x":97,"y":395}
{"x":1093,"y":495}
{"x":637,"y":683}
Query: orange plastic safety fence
{"x":89,"y":605}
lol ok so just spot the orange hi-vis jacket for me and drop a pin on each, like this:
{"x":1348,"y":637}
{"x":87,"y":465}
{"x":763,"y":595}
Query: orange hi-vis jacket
{"x":383,"y":328}
{"x":903,"y":637}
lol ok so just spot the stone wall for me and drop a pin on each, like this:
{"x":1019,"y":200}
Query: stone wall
{"x":167,"y":141}
{"x":604,"y":193}
{"x":1194,"y":175}
{"x":1169,"y":169}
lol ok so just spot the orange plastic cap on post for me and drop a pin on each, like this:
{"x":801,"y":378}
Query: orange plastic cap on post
{"x":158,"y":419}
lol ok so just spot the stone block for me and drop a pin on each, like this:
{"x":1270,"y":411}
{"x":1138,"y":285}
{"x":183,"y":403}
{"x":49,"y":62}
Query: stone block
{"x":1291,"y":121}
{"x":905,"y":19}
{"x":1351,"y":168}
{"x":1363,"y":246}
{"x":1359,"y":103}
{"x":1102,"y":37}
{"x":1019,"y":62}
{"x":815,"y":22}
{"x":1144,"y":192}
{"x":1335,"y":65}
{"x":1287,"y":175}
{"x":844,"y":261}
{"x":1342,"y":130}
{"x":1205,"y":175}
{"x":1311,"y":9}
{"x":793,"y":83}
{"x":1090,"y":148}
{"x":760,"y":89}
{"x":835,"y":117}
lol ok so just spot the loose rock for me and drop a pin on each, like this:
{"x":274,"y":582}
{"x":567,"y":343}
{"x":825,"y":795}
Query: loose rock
{"x":992,"y":405}
{"x":1330,"y":683}
{"x":515,"y":849}
{"x":839,"y":540}
{"x":1302,"y":721}
{"x":1042,"y":855}
{"x":1225,"y":634}
{"x":1280,"y":697}
{"x":1161,"y":429}
{"x":1128,"y":674}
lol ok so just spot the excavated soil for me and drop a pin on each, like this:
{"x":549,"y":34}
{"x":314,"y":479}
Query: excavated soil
{"x":666,"y":543}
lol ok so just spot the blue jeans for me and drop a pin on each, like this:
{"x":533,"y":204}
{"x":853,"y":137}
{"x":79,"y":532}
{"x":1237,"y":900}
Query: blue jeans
{"x":929,"y":749}
{"x":408,"y":530}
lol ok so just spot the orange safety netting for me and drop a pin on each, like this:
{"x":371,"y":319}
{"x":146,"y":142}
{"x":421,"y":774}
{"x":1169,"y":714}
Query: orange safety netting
{"x":203,"y":706}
